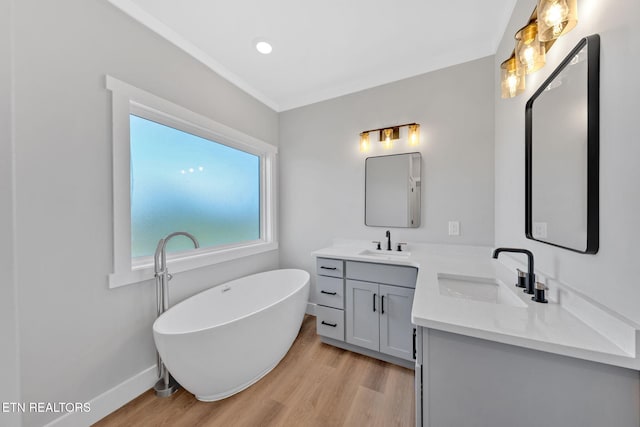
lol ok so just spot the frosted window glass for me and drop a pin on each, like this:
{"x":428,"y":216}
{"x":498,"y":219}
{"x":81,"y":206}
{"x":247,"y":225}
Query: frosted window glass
{"x":182,"y":182}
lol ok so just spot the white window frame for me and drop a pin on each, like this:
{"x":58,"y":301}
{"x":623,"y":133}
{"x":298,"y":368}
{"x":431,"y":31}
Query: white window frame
{"x":126,"y":100}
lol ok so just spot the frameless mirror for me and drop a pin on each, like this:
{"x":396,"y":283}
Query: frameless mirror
{"x":392,"y":190}
{"x":562,"y":145}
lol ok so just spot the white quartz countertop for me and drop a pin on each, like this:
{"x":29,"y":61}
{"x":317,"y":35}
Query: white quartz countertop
{"x":576,"y":330}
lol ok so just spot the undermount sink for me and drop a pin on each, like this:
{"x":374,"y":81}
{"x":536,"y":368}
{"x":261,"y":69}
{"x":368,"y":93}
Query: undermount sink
{"x":385,"y":253}
{"x":478,"y":289}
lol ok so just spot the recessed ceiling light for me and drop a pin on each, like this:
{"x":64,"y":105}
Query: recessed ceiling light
{"x":264,"y":47}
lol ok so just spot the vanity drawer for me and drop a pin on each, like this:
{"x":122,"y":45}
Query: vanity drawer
{"x":330,"y":291}
{"x":330,"y":322}
{"x":382,"y":273}
{"x":330,"y":267}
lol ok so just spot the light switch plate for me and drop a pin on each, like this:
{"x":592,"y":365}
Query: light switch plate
{"x":454,"y":228}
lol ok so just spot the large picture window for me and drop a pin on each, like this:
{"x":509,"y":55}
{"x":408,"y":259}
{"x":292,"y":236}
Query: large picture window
{"x":181,"y":181}
{"x":175,"y":170}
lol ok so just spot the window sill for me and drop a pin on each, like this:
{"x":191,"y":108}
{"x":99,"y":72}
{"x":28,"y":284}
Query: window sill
{"x":184,"y":262}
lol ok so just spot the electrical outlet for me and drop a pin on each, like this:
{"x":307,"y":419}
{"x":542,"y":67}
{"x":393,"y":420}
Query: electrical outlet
{"x":540,"y":230}
{"x":454,"y":228}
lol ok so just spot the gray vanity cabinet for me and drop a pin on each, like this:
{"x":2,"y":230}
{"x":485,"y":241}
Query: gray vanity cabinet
{"x":467,"y":381}
{"x":366,"y":307}
{"x":379,"y":318}
{"x":378,"y":307}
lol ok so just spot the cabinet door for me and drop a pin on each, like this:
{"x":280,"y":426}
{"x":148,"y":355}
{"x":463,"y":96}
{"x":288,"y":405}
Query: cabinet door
{"x":396,"y":330}
{"x":363,"y":305}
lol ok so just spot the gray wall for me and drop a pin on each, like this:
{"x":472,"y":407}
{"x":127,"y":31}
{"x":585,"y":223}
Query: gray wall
{"x":79,"y":338}
{"x":610,"y":276}
{"x":322,"y":169}
{"x":9,"y":366}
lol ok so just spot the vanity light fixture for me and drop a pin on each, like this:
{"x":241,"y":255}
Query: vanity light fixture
{"x":530,"y":51}
{"x":512,"y":79}
{"x":389,"y":134}
{"x":414,"y":134}
{"x":549,"y":20}
{"x":556,"y":17}
{"x":364,"y":141}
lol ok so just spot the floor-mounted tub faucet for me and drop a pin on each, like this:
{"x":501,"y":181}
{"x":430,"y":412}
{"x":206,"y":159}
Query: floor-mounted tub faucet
{"x":530,"y":276}
{"x":160,"y":266}
{"x":166,"y":385}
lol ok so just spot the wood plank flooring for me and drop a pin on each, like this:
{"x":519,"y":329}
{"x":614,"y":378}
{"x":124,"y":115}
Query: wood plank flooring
{"x":314,"y":385}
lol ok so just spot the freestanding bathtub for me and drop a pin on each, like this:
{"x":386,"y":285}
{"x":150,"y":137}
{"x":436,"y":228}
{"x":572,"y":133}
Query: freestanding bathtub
{"x":224,"y":339}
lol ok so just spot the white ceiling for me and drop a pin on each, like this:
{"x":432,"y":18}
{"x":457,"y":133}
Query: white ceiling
{"x":324,"y":49}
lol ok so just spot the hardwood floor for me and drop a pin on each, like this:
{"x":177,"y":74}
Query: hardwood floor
{"x":314,"y":385}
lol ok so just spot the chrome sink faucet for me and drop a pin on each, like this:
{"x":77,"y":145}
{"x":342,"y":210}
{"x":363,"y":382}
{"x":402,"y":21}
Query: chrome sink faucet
{"x":530,"y":275}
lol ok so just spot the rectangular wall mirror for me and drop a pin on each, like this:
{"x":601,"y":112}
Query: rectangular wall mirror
{"x":562,"y":150}
{"x":392,"y":190}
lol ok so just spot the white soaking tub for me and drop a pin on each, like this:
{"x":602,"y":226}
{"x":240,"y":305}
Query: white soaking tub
{"x":224,"y":339}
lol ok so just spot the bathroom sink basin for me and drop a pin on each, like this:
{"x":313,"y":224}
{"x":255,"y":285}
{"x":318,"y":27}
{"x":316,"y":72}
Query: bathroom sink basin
{"x":477,"y":289}
{"x":385,"y":254}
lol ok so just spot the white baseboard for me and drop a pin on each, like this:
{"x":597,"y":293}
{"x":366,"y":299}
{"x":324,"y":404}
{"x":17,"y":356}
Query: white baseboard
{"x":311,"y":309}
{"x":110,"y":400}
